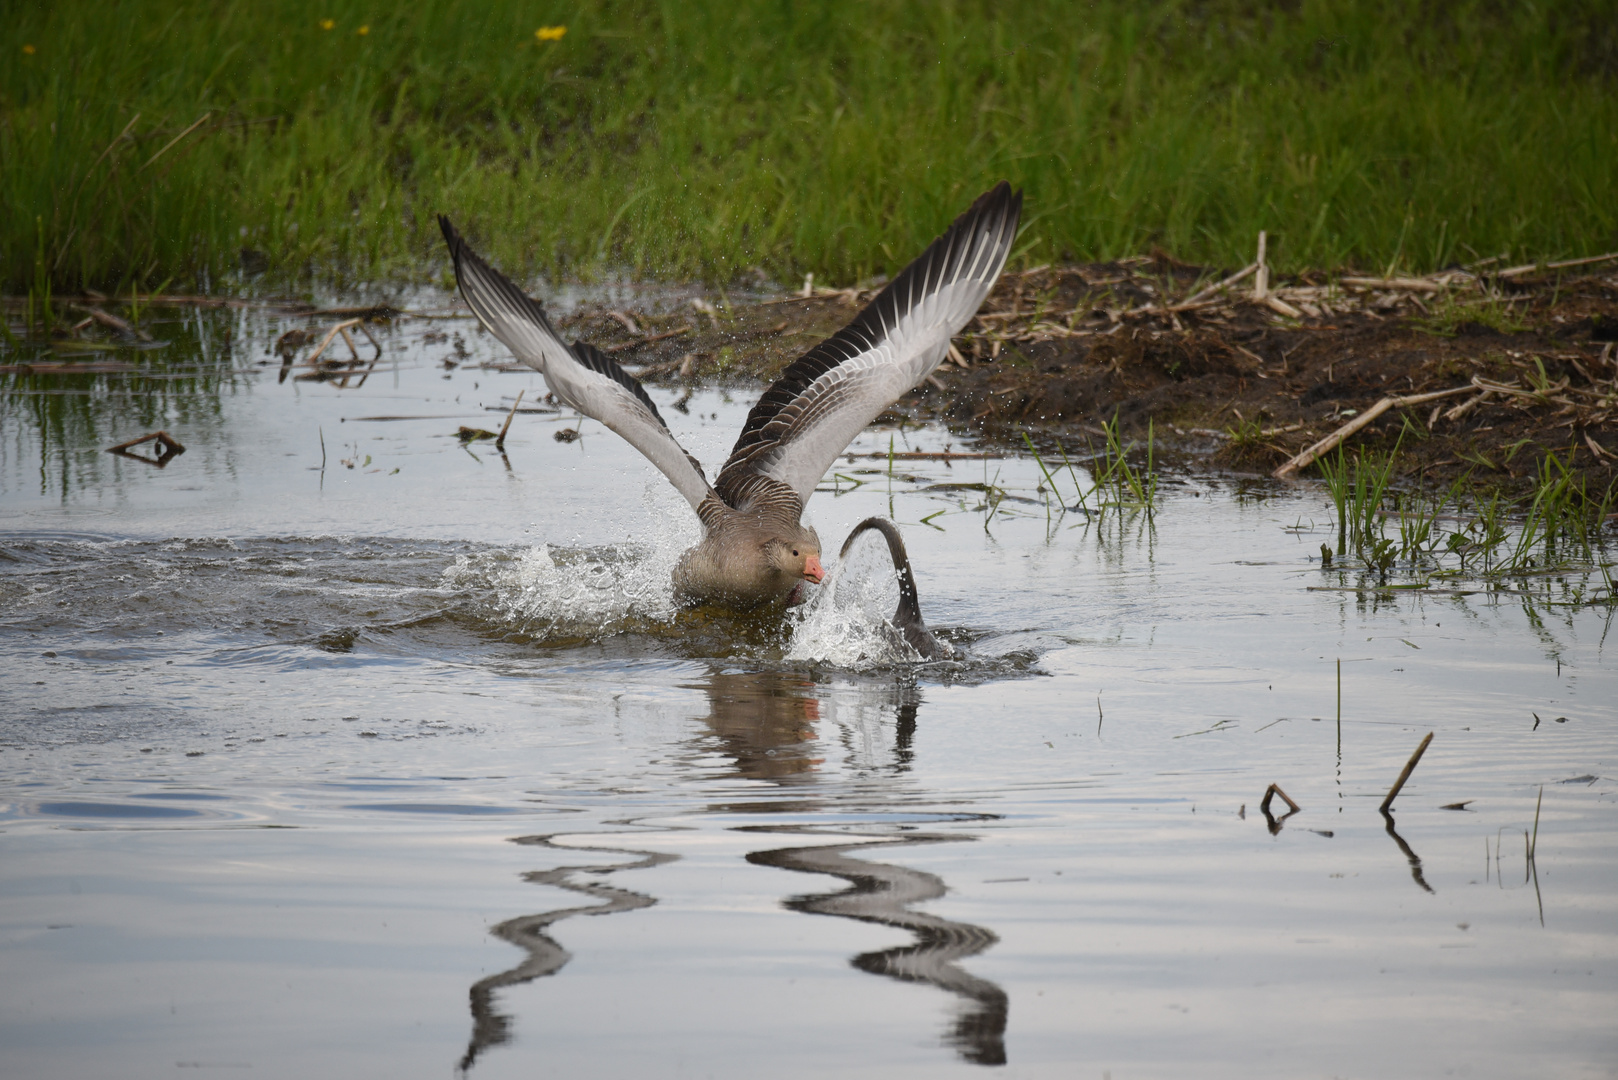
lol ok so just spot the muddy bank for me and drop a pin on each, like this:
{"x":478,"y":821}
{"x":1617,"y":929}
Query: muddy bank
{"x":1231,"y":377}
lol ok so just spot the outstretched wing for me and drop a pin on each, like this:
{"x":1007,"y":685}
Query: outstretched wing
{"x":826,"y":397}
{"x":580,"y":375}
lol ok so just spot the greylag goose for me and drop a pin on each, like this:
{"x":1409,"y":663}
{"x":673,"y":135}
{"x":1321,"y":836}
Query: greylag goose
{"x":754,"y":548}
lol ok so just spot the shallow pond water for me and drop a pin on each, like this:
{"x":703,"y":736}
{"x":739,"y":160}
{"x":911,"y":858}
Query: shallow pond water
{"x":336,"y":746}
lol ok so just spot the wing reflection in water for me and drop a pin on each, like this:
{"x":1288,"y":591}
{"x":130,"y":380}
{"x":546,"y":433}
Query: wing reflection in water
{"x":528,"y":932}
{"x":881,"y":893}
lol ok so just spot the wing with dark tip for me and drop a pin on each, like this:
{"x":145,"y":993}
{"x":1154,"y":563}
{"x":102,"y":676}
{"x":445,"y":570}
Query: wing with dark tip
{"x":829,"y":395}
{"x":580,"y":375}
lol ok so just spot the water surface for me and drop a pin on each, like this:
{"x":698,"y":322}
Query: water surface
{"x":338,"y":746}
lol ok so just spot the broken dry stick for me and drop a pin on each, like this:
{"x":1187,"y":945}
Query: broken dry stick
{"x":1403,"y":284}
{"x":1261,"y":280}
{"x":1330,"y":441}
{"x":1215,"y":287}
{"x":1271,"y":792}
{"x":330,"y":334}
{"x":1518,"y":271}
{"x":500,"y":443}
{"x":170,"y":444}
{"x":1410,"y":767}
{"x":622,"y":345}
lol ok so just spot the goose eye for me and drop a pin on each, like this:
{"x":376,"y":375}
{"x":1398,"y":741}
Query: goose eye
{"x":794,"y":553}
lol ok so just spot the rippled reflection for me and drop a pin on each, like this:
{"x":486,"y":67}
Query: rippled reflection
{"x":1409,"y":853}
{"x":528,"y":932}
{"x":882,"y":893}
{"x":765,"y":722}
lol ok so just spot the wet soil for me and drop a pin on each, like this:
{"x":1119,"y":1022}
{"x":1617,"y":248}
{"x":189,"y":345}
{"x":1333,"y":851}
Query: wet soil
{"x":1235,"y":383}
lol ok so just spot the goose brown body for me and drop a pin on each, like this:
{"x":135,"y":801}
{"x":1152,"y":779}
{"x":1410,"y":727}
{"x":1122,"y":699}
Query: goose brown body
{"x":755,"y":548}
{"x":751,"y":555}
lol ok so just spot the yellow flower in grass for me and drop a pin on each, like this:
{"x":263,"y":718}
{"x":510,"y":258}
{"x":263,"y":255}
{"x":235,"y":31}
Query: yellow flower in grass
{"x":550,"y":33}
{"x":327,"y":24}
{"x":362,"y":31}
{"x":29,"y":49}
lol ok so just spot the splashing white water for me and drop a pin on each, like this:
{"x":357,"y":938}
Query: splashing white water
{"x":547,"y":593}
{"x":845,"y":622}
{"x":592,"y":592}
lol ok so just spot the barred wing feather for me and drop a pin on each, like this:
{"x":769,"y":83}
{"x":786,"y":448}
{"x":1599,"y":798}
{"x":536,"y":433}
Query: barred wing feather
{"x":829,"y":395}
{"x":580,"y":375}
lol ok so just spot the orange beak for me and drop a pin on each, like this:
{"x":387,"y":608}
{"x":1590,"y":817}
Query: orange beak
{"x":812,"y":570}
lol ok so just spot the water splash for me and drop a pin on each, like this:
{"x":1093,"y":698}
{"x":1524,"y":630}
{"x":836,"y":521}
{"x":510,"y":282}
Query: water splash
{"x":845,"y":622}
{"x":551,"y":594}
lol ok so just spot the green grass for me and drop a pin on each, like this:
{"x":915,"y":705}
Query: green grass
{"x":682,"y":141}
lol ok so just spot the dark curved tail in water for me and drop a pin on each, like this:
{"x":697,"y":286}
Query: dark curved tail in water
{"x":907,"y":616}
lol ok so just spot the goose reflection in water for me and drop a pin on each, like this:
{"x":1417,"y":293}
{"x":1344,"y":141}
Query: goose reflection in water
{"x":881,"y":893}
{"x":529,"y":933}
{"x":766,"y":723}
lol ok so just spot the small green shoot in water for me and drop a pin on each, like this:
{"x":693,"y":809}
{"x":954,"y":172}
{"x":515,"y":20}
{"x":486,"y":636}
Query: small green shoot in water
{"x":1556,"y":528}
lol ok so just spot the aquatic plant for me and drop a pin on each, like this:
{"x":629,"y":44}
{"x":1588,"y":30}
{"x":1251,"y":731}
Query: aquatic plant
{"x":1558,"y":526}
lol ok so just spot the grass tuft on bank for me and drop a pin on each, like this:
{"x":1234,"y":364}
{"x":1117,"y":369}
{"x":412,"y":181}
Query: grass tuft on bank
{"x":197,"y":145}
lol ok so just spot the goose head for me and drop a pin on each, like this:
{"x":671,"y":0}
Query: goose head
{"x":795,"y":556}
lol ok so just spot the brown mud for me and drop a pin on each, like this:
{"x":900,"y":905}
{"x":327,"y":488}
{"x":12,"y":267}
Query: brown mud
{"x":1233,"y":378}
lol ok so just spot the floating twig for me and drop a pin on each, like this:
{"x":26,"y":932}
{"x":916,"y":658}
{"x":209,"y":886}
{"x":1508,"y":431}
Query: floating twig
{"x":1272,"y":822}
{"x":113,"y":322}
{"x":1410,"y":767}
{"x":326,"y":341}
{"x":163,"y":438}
{"x":169,"y":448}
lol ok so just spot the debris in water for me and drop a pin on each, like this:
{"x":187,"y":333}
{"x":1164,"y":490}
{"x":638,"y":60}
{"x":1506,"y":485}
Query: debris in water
{"x":1410,"y":767}
{"x":1270,"y":819}
{"x":169,"y":448}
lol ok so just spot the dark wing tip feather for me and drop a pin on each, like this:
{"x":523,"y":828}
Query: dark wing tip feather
{"x":486,"y":279}
{"x":602,"y":364}
{"x":586,"y":354}
{"x":992,"y":216}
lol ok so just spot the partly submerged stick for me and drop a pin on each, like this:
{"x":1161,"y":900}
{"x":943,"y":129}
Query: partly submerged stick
{"x":1271,"y":792}
{"x":327,"y":340}
{"x":1331,"y":441}
{"x":1410,"y":767}
{"x":1533,"y":845}
{"x":500,"y":443}
{"x":170,"y":444}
